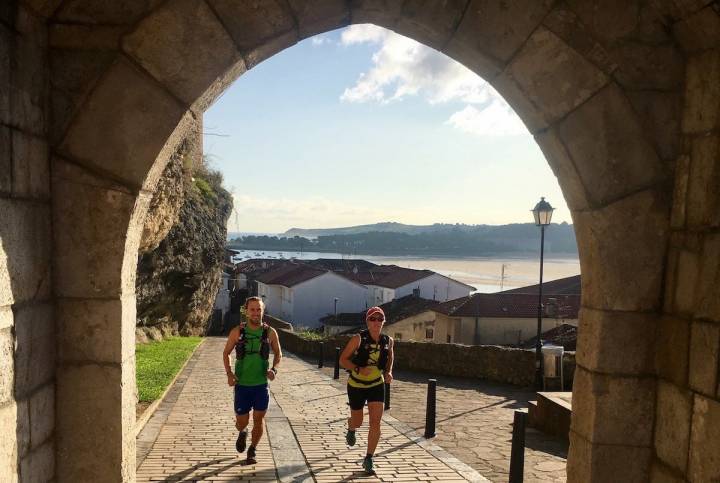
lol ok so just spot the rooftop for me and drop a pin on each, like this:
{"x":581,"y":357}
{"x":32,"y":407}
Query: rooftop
{"x":290,"y":274}
{"x":514,"y":305}
{"x":561,"y":286}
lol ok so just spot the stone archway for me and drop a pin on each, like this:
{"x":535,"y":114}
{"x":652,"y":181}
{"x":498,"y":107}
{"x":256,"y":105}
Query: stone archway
{"x":622,"y":98}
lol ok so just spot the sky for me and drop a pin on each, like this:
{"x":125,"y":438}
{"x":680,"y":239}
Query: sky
{"x":362,"y":125}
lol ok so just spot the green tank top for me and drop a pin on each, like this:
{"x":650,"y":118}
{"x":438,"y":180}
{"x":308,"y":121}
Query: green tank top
{"x":251,"y":370}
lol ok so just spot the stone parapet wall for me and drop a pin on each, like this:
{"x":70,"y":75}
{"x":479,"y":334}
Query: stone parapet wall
{"x":492,"y":363}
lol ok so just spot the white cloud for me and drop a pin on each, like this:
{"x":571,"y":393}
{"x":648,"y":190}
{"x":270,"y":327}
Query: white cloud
{"x":403,"y":67}
{"x":496,"y":119}
{"x":360,"y":33}
{"x":320,"y":40}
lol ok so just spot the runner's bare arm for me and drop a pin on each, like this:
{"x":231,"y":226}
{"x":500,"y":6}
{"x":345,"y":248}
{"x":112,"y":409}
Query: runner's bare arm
{"x":391,"y":359}
{"x":348,"y":351}
{"x":229,"y":347}
{"x":275,"y":345}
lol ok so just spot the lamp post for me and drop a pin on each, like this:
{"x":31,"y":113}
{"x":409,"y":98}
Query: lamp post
{"x":336,"y":301}
{"x":542,"y":213}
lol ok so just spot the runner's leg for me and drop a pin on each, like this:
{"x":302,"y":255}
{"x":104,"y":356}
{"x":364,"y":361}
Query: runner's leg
{"x":241,"y":421}
{"x":257,"y":430}
{"x":375,"y":410}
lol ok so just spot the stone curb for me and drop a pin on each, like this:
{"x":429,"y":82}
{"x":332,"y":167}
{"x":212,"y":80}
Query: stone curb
{"x":467,"y":472}
{"x":290,"y":462}
{"x":150,"y":410}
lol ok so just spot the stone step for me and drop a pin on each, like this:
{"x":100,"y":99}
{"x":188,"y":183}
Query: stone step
{"x":551,"y":413}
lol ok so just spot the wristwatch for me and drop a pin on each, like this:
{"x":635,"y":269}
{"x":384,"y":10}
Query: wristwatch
{"x":274,"y":370}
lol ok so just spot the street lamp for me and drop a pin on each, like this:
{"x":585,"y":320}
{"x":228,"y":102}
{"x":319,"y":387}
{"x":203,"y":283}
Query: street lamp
{"x":336,"y":301}
{"x":542,"y":213}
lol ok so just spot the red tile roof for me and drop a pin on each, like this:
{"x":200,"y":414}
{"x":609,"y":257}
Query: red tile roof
{"x":259,"y":265}
{"x":290,"y":275}
{"x":342,"y":264}
{"x":390,"y":276}
{"x":397,"y":309}
{"x":513,"y":305}
{"x":562,"y":286}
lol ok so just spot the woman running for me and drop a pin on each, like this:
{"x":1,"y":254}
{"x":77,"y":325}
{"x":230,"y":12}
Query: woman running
{"x":369,"y":358}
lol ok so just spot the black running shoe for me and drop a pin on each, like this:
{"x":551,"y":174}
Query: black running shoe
{"x":350,"y":437}
{"x":368,"y":465}
{"x":241,"y":441}
{"x":251,"y":455}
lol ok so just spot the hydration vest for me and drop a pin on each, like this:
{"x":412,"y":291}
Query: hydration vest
{"x":362,"y":354}
{"x":241,"y":350}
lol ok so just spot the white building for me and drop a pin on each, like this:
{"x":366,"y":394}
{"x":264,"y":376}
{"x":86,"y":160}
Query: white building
{"x":301,"y":295}
{"x":389,"y":282}
{"x":222,"y":301}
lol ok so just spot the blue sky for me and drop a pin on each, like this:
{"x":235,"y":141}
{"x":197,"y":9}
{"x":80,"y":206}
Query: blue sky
{"x":361,"y":125}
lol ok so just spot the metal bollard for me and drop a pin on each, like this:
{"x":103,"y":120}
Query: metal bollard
{"x":387,"y":396}
{"x":336,"y":374}
{"x":320,"y":359}
{"x":430,"y":410}
{"x":517,"y":451}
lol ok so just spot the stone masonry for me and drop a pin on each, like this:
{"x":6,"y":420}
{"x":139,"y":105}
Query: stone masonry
{"x":622,"y":97}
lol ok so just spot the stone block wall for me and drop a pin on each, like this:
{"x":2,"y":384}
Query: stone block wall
{"x":687,"y":359}
{"x":27,"y":325}
{"x":492,"y":363}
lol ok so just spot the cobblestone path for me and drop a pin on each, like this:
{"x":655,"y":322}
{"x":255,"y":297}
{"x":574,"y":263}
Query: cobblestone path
{"x":191,"y":437}
{"x":474,"y":424}
{"x":197,"y":440}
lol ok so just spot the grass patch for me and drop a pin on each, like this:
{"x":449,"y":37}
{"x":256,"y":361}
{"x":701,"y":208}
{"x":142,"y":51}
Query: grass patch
{"x":310,"y":335}
{"x":158,"y":362}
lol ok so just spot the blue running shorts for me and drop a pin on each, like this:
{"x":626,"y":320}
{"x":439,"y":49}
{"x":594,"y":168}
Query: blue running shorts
{"x":251,"y":397}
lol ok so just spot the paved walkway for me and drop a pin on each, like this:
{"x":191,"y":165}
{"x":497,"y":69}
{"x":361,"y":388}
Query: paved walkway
{"x":191,"y":437}
{"x":474,"y":423}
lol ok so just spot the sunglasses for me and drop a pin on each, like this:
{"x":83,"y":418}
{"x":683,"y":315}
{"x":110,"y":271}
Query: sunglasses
{"x":376,"y":319}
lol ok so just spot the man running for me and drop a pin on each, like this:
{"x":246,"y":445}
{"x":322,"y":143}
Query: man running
{"x":251,"y":343}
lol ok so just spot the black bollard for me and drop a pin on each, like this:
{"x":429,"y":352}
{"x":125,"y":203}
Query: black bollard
{"x":387,"y":396}
{"x":430,"y":410}
{"x":320,"y":359}
{"x":336,"y":374}
{"x":517,"y":451}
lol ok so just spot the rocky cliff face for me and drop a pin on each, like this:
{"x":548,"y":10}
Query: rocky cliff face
{"x":182,"y":250}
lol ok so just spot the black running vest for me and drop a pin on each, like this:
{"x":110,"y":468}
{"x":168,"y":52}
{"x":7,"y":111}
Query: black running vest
{"x":362,"y":354}
{"x":240,"y":349}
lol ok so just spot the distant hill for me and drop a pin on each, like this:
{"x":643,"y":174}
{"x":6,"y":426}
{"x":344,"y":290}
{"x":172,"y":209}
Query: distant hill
{"x":429,"y":240}
{"x":387,"y":226}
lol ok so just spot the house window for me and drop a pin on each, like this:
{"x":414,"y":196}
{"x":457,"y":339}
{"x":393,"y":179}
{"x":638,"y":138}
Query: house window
{"x":397,"y":336}
{"x":429,"y":333}
{"x":449,"y":339}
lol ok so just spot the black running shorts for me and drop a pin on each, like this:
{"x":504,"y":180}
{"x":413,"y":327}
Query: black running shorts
{"x":357,"y":397}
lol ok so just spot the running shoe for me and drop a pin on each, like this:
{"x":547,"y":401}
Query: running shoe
{"x":241,"y":441}
{"x":251,"y":455}
{"x":350,"y":437}
{"x":368,"y":465}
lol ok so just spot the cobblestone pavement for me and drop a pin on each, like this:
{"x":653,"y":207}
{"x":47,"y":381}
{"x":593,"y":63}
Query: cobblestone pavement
{"x":304,"y":427}
{"x":197,"y":440}
{"x":317,"y":410}
{"x":474,"y":423}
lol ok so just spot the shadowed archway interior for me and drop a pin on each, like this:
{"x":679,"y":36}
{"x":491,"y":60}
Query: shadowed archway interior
{"x":622,"y":98}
